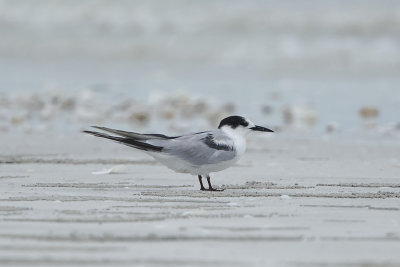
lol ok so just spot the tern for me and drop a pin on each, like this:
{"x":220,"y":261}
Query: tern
{"x":199,"y":153}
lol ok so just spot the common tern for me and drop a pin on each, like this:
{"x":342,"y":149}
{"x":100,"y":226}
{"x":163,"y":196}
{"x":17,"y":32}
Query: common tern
{"x":199,"y":153}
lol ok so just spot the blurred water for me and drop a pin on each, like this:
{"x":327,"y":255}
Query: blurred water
{"x":320,"y":59}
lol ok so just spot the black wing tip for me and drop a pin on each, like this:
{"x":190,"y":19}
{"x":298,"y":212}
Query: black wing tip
{"x":89,"y":132}
{"x":99,"y":134}
{"x":98,"y":127}
{"x":127,"y":141}
{"x":137,"y":135}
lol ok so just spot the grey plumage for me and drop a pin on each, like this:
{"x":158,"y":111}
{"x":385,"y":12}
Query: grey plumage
{"x":201,"y":148}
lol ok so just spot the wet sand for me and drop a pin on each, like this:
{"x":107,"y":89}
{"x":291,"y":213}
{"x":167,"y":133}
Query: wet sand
{"x":289,"y":202}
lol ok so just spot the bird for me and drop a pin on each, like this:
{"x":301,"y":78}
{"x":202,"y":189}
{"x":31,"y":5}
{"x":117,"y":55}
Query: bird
{"x":198,"y":153}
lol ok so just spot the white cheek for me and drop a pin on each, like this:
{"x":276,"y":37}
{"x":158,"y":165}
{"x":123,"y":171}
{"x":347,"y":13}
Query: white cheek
{"x":243,"y":130}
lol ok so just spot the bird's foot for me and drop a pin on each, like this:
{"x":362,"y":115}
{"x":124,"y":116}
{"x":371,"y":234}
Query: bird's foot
{"x":217,"y":189}
{"x":212,"y":189}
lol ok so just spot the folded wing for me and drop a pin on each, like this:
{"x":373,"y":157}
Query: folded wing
{"x":201,"y":148}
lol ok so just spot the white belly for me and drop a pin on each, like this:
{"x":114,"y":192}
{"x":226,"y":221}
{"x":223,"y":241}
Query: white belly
{"x":182,"y":166}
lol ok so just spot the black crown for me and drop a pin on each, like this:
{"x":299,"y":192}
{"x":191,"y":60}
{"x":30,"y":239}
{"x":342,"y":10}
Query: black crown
{"x":234,"y":121}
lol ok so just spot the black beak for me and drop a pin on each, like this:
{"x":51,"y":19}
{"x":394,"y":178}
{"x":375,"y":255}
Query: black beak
{"x":261,"y":129}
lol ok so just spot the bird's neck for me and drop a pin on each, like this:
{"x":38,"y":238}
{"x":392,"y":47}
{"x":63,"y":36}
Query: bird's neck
{"x":239,"y":138}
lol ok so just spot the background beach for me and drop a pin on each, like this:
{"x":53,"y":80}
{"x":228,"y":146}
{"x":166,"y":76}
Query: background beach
{"x":322,"y":191}
{"x":139,"y":64}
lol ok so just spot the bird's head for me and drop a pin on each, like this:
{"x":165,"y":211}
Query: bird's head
{"x":240,"y":126}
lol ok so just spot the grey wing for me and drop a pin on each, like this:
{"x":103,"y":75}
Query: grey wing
{"x":200,"y":148}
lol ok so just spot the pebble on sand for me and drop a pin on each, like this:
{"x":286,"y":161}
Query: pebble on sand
{"x":299,"y":116}
{"x":369,"y":112}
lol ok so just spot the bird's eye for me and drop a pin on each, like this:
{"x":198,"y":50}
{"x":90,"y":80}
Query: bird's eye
{"x":244,"y":124}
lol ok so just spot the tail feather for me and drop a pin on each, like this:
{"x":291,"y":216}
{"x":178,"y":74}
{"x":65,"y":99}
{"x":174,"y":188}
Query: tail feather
{"x":129,"y":141}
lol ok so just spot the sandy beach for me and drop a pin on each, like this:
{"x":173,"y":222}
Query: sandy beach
{"x":325,"y":201}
